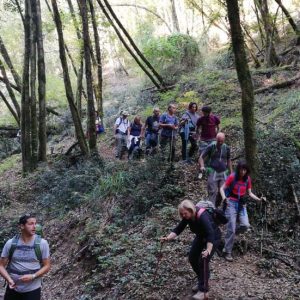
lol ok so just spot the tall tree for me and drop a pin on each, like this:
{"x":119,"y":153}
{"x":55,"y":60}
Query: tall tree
{"x":271,"y":58}
{"x":174,"y":17}
{"x":68,"y":87}
{"x":10,"y":108}
{"x":42,"y":151}
{"x":99,"y":82}
{"x":245,"y":81}
{"x":25,"y":99}
{"x":33,"y":102}
{"x":89,"y":79}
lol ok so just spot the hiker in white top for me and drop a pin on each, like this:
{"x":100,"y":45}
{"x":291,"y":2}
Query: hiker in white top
{"x":121,"y":130}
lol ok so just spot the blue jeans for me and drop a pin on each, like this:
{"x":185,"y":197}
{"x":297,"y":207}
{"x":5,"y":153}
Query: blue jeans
{"x":151,"y":140}
{"x":232,"y":212}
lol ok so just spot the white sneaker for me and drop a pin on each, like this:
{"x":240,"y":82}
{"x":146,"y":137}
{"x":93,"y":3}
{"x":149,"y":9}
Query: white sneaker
{"x":199,"y":296}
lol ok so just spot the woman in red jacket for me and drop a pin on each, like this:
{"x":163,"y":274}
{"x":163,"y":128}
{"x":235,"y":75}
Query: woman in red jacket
{"x":233,"y":193}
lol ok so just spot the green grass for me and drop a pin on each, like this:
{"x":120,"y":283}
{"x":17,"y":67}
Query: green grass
{"x":9,"y":163}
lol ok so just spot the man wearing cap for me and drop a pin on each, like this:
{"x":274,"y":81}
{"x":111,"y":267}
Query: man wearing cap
{"x":121,"y":130}
{"x":208,"y":124}
{"x":24,"y":261}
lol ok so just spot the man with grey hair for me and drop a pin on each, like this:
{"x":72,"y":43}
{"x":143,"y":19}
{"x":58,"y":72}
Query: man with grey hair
{"x":24,"y":260}
{"x":219,"y":163}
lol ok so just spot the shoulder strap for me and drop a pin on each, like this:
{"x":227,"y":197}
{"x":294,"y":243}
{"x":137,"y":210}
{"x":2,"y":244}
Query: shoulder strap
{"x":190,"y":118}
{"x":37,"y":247}
{"x":13,"y":246}
{"x":200,"y":212}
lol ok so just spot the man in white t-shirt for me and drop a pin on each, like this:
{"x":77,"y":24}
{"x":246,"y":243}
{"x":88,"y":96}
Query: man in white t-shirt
{"x":24,"y":260}
{"x":121,"y":130}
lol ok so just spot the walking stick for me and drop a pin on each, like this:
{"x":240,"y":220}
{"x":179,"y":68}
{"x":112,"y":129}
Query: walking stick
{"x":205,"y":277}
{"x":186,"y":137}
{"x":171,"y":147}
{"x":159,"y":257}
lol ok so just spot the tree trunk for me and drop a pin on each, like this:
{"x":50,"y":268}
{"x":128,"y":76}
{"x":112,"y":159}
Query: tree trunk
{"x":291,"y":21}
{"x":127,"y":47}
{"x":33,"y":62}
{"x":20,"y":11}
{"x":89,"y":79}
{"x":245,"y":80}
{"x":132,"y":43}
{"x":10,"y":90}
{"x":68,"y":87}
{"x":174,"y":17}
{"x":42,"y":154}
{"x":271,"y":58}
{"x":25,"y":99}
{"x":79,"y":90}
{"x":8,"y":62}
{"x":99,"y":85}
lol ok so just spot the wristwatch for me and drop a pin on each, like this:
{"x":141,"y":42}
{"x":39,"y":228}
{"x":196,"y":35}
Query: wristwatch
{"x":33,"y":276}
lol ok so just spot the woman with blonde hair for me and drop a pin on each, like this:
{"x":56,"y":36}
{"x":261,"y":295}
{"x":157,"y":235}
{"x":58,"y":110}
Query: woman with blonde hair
{"x":207,"y":239}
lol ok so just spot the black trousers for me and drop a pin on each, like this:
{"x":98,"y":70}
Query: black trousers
{"x":13,"y":295}
{"x":201,"y":265}
{"x":184,"y":146}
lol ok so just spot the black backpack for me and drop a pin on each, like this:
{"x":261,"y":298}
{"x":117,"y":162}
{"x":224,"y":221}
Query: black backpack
{"x":218,"y":215}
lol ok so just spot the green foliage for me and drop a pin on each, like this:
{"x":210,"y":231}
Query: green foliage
{"x":173,"y":53}
{"x":9,"y":162}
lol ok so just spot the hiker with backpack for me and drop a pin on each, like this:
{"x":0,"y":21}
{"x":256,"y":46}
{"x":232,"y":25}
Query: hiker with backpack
{"x":135,"y":133}
{"x":98,"y":124}
{"x":205,"y":243}
{"x":151,"y":130}
{"x":207,"y":127}
{"x":169,"y":124}
{"x":121,"y":133}
{"x":218,"y":165}
{"x":188,"y":131}
{"x":233,"y":193}
{"x":24,"y":260}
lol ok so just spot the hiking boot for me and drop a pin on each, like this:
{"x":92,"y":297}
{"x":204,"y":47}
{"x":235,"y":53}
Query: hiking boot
{"x":228,"y":257}
{"x":199,"y":296}
{"x":195,"y":288}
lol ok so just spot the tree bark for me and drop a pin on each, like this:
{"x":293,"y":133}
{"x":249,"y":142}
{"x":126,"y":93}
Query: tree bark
{"x":42,"y":151}
{"x":132,"y":43}
{"x":126,"y":45}
{"x":25,"y":99}
{"x":174,"y":17}
{"x":8,"y":62}
{"x":10,"y":90}
{"x":291,"y":20}
{"x":68,"y":87}
{"x":33,"y":102}
{"x":271,"y":58}
{"x":20,"y":11}
{"x":245,"y":80}
{"x":89,"y":79}
{"x":99,"y":84}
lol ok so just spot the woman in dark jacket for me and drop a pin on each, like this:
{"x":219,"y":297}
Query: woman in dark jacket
{"x":135,"y":131}
{"x":207,"y":239}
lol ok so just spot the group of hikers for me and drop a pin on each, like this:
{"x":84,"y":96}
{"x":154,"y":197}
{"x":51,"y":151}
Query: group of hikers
{"x":25,"y":258}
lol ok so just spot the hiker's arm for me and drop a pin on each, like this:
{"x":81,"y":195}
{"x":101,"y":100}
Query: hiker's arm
{"x":201,"y":161}
{"x":3,"y":272}
{"x":253,"y":196}
{"x":208,"y":249}
{"x":222,"y":191}
{"x":45,"y":268}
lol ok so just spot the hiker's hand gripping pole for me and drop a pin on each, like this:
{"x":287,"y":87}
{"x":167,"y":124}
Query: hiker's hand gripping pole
{"x":168,"y":238}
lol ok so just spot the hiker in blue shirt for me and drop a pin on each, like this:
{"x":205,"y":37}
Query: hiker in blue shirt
{"x":188,"y":131}
{"x":169,"y":124}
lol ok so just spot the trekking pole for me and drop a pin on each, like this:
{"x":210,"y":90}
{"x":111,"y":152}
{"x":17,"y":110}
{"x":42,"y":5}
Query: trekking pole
{"x":205,"y":277}
{"x":159,"y":257}
{"x":262,"y":229}
{"x":171,"y":147}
